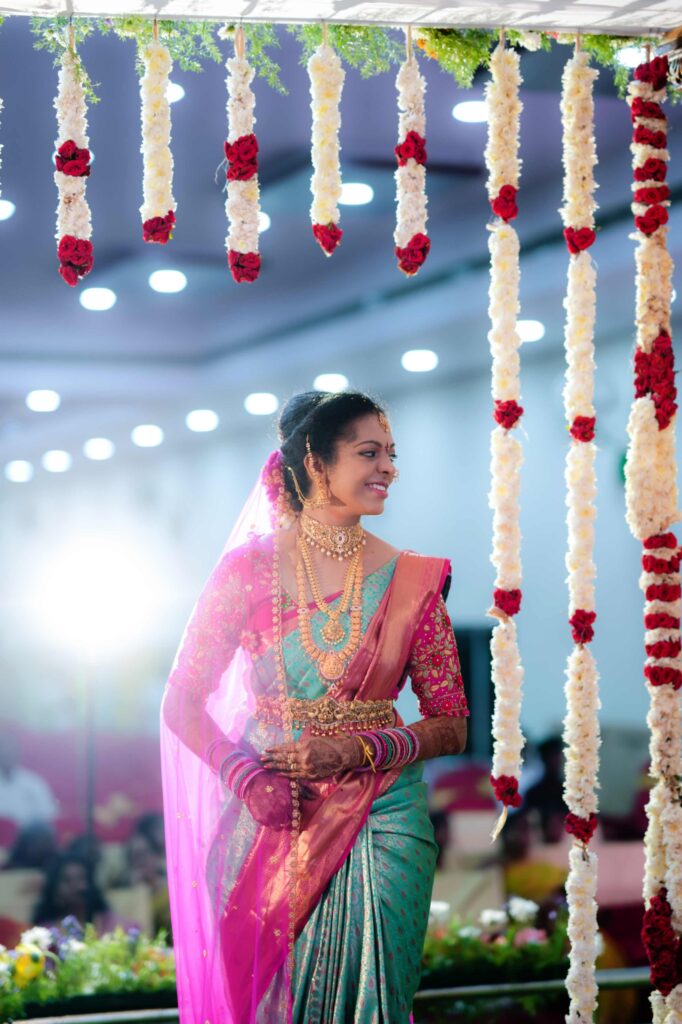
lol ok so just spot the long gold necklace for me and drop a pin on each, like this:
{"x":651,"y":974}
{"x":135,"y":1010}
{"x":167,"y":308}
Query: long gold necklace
{"x":331,"y":661}
{"x":338,"y":542}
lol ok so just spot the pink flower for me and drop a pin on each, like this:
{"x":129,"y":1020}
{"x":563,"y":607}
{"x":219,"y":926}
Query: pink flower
{"x":530,"y":935}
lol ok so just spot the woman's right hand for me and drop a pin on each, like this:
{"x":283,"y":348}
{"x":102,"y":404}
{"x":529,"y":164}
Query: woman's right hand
{"x":268,"y":798}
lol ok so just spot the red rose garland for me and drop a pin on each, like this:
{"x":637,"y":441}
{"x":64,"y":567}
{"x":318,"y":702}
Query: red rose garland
{"x":72,"y":169}
{"x":412,"y":244}
{"x":326,"y":76}
{"x":158,"y":205}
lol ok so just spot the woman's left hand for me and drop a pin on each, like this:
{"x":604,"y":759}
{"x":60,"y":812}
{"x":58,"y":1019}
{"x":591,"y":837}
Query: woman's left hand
{"x":314,"y":757}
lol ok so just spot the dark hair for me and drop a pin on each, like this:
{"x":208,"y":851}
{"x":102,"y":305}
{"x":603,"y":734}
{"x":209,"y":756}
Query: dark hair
{"x":326,"y":418}
{"x":48,"y":909}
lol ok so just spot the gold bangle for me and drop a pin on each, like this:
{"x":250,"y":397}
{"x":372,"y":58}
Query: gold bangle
{"x":367,"y":753}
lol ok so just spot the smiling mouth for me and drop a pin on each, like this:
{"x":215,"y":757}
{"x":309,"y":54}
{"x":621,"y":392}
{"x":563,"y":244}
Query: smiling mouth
{"x":381,"y":489}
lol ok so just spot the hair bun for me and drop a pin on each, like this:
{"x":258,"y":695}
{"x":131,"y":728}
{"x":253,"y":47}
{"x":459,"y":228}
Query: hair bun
{"x":297,"y":411}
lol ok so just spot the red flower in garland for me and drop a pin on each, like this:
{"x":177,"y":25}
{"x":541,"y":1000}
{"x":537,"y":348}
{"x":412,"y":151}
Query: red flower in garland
{"x":159,"y":229}
{"x":646,"y":108}
{"x":582,"y":428}
{"x":655,"y":376}
{"x":661,"y":565}
{"x":646,"y":137}
{"x":664,"y":649}
{"x":328,"y":235}
{"x":508,"y":601}
{"x":655,"y":72}
{"x":413,"y":255}
{"x":662,"y":675}
{"x":506,"y":789}
{"x":582,"y":828}
{"x":242,"y":158}
{"x":578,"y":239}
{"x":660,"y":540}
{"x":651,"y":170}
{"x":75,"y":258}
{"x":412,"y":148}
{"x":650,"y":196}
{"x":508,"y":413}
{"x":654,"y":218}
{"x":582,"y":623}
{"x":504,"y":204}
{"x":71,"y":160}
{"x":661,"y":944}
{"x":244,"y":266}
{"x":661,"y":620}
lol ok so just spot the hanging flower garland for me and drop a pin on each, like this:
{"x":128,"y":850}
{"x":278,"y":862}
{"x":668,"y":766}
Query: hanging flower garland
{"x":652,"y":508}
{"x":411,"y":241}
{"x":502,"y":161}
{"x":72,"y":169}
{"x":241,"y":151}
{"x":326,"y":82}
{"x":581,"y":725}
{"x":158,"y":205}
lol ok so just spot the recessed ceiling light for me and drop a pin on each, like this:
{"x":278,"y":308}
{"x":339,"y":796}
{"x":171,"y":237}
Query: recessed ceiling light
{"x":19,"y":471}
{"x":471,"y":111}
{"x":355,"y":193}
{"x":97,"y":299}
{"x":56,"y":461}
{"x":673,"y":295}
{"x":631,"y":56}
{"x":98,"y":448}
{"x":167,"y":281}
{"x":419,"y":360}
{"x":147,"y":435}
{"x":7,"y":209}
{"x":43,"y":400}
{"x":202,"y":420}
{"x":264,"y":221}
{"x":174,"y":92}
{"x":530,"y":330}
{"x":330,"y":382}
{"x":261,"y":403}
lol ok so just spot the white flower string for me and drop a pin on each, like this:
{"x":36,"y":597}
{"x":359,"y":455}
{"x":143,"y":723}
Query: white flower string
{"x":412,"y":244}
{"x":652,"y":508}
{"x":504,"y":109}
{"x":581,"y":725}
{"x":158,"y":205}
{"x":72,"y":169}
{"x":241,"y":152}
{"x":326,"y":82}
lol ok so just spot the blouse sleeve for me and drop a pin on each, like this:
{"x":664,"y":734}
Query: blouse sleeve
{"x":215,"y":629}
{"x":434,"y":669}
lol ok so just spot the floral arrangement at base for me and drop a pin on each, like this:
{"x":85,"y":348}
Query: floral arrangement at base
{"x":241,"y":152}
{"x":158,"y":205}
{"x":502,"y":161}
{"x":53,"y":965}
{"x":326,"y":74}
{"x":652,"y":508}
{"x":412,"y":244}
{"x":72,"y":170}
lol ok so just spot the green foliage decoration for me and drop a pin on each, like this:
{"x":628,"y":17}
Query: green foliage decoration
{"x":368,"y":49}
{"x":52,"y":34}
{"x":189,"y":42}
{"x":259,"y":37}
{"x":461,"y":52}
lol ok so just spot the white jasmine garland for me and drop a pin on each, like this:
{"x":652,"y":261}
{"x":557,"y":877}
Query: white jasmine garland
{"x":411,"y":214}
{"x":581,"y":888}
{"x":242,"y":204}
{"x":504,"y":112}
{"x":507,"y":676}
{"x":73,"y":212}
{"x":157,"y":182}
{"x":326,"y":82}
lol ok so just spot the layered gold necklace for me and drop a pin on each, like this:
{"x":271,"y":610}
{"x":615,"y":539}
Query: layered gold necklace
{"x":338,"y":542}
{"x":332,"y":660}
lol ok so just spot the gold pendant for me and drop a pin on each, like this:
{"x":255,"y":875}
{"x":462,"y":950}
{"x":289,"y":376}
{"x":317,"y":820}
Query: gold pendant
{"x":333,"y":632}
{"x":332,"y":665}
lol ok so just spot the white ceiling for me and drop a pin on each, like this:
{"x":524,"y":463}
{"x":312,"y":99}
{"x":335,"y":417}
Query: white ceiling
{"x":608,"y":16}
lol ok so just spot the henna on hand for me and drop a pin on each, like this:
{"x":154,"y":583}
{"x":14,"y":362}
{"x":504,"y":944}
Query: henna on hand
{"x":440,"y":736}
{"x":314,"y":757}
{"x":268,"y":798}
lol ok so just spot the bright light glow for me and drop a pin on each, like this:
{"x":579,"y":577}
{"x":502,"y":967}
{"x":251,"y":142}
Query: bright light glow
{"x":7,"y":209}
{"x":330,"y":382}
{"x":202,"y":420}
{"x":19,"y":471}
{"x":471,"y":111}
{"x":97,"y":299}
{"x":419,"y":360}
{"x":97,"y":596}
{"x":264,"y":221}
{"x":355,"y":193}
{"x":56,"y":461}
{"x":147,"y":435}
{"x":673,"y":296}
{"x":167,"y":281}
{"x":174,"y":92}
{"x":261,"y":403}
{"x":98,"y":449}
{"x":631,"y":56}
{"x":43,"y":400}
{"x":530,"y":330}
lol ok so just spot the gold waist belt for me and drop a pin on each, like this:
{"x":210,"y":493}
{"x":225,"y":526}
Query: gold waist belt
{"x":326,"y":716}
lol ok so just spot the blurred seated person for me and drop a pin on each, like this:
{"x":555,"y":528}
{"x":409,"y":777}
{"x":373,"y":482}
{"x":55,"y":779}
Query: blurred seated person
{"x":441,"y":834}
{"x":25,"y":797}
{"x":151,"y":827}
{"x":145,"y":863}
{"x":546,"y":796}
{"x":34,"y":849}
{"x":525,"y":872}
{"x":67,"y":893}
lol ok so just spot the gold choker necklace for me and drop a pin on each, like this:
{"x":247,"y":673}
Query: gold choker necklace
{"x":338,"y":542}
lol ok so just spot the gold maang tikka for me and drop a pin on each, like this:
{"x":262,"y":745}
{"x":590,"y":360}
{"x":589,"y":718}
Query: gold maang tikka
{"x":322,"y":497}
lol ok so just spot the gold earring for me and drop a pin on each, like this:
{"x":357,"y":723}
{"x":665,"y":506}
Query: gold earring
{"x":323,"y":498}
{"x":317,"y":500}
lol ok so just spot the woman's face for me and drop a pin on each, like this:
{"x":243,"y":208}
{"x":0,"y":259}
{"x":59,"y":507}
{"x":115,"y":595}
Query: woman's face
{"x":364,"y":469}
{"x":72,"y":888}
